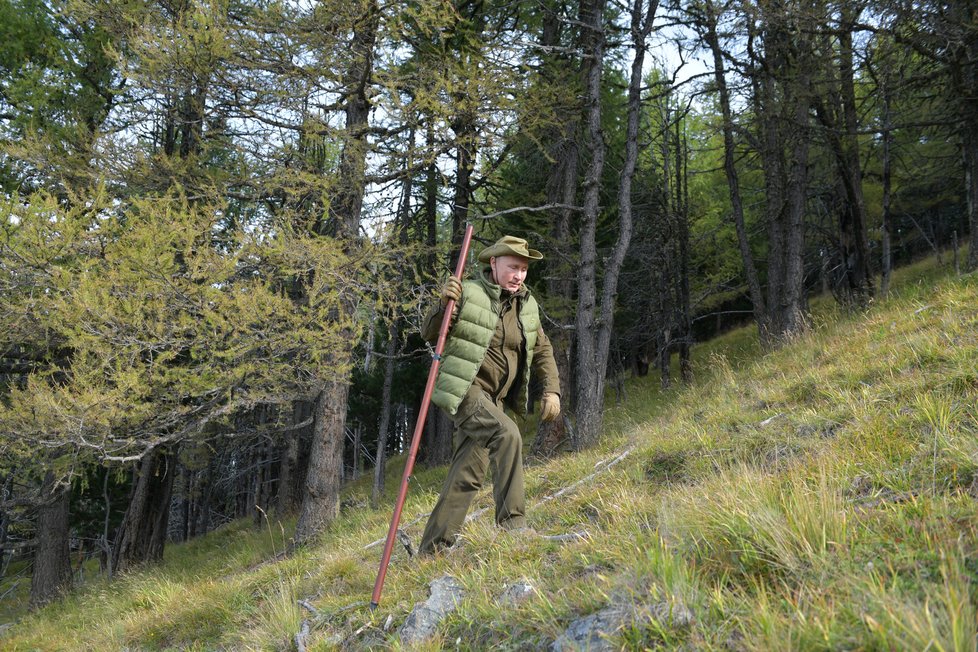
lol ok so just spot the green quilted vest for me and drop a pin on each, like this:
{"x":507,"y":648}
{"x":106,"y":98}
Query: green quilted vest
{"x":469,"y":340}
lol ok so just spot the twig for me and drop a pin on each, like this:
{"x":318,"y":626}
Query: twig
{"x":405,"y":541}
{"x":607,"y":464}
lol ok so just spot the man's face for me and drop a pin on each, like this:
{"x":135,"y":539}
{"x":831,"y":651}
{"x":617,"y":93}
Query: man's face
{"x":509,"y":272}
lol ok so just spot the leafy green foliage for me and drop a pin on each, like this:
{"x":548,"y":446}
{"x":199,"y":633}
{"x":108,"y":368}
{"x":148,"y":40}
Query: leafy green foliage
{"x":164,"y":333}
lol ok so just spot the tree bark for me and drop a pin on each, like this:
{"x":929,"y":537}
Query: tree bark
{"x":970,"y":144}
{"x":684,"y":319}
{"x":733,"y":180}
{"x":590,"y":382}
{"x":887,"y":227}
{"x":561,"y":190}
{"x":858,"y":262}
{"x":383,"y":427}
{"x":595,"y":321}
{"x":288,"y":483}
{"x":51,"y":575}
{"x":142,"y":534}
{"x":782,"y":97}
{"x":437,"y":442}
{"x":321,"y":502}
{"x":843,"y":141}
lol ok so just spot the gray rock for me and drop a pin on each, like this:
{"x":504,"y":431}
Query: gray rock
{"x":517,"y":592}
{"x":596,"y":632}
{"x":423,"y":621}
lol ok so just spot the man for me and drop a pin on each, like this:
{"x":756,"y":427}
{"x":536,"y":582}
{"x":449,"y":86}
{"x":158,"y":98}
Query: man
{"x":495,"y":340}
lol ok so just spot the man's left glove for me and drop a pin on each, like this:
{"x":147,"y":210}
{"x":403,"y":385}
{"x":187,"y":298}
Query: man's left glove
{"x":549,"y":406}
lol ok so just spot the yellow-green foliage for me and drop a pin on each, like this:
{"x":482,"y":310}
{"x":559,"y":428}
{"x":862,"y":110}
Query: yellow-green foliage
{"x":819,"y":497}
{"x":158,"y":320}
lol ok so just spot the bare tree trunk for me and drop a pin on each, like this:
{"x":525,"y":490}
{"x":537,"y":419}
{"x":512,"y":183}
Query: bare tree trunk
{"x":782,"y":97}
{"x":561,"y":190}
{"x":205,"y":496}
{"x":142,"y":534}
{"x":771,"y":150}
{"x":595,"y":322}
{"x":321,"y":502}
{"x":966,"y":78}
{"x":437,"y":441}
{"x":357,"y":451}
{"x":682,"y":236}
{"x":887,"y":135}
{"x":792,"y":317}
{"x":385,"y":420}
{"x":51,"y":575}
{"x":5,"y":520}
{"x":289,"y":464}
{"x":733,"y":179}
{"x":590,"y":381}
{"x":182,"y":491}
{"x":842,"y":137}
{"x":860,"y":266}
{"x":970,"y":143}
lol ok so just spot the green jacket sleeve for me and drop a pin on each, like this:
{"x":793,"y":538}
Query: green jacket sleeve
{"x":544,"y":364}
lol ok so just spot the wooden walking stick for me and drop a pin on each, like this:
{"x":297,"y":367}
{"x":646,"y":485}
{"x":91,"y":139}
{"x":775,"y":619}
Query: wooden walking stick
{"x":419,"y":425}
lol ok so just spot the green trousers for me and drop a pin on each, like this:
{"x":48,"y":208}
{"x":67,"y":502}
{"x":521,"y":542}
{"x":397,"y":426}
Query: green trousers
{"x":483,"y":433}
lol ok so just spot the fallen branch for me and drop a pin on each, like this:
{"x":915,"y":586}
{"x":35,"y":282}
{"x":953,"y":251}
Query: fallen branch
{"x":607,"y":464}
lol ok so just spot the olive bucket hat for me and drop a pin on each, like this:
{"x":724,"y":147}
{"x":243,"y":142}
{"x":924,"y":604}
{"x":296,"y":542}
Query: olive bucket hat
{"x":509,"y":245}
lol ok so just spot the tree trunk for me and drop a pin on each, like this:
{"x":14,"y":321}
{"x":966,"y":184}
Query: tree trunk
{"x":51,"y":575}
{"x":683,"y":318}
{"x":966,"y":83}
{"x":347,"y":204}
{"x":288,"y":485}
{"x":782,"y":97}
{"x":321,"y":502}
{"x":792,"y":319}
{"x":887,"y":136}
{"x":183,"y":492}
{"x":385,"y":419}
{"x":262,"y":479}
{"x":858,"y":263}
{"x":142,"y":534}
{"x":437,"y":442}
{"x":844,"y":145}
{"x":205,"y":495}
{"x":733,"y":179}
{"x":595,"y":321}
{"x":590,"y":382}
{"x":970,"y":143}
{"x":561,"y":190}
{"x":5,"y":520}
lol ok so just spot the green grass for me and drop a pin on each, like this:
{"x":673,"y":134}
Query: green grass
{"x":818,"y":497}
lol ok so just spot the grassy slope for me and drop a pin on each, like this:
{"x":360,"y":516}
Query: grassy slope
{"x":819,"y":497}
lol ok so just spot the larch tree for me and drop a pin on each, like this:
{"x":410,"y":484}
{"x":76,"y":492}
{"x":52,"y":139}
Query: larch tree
{"x":595,"y":313}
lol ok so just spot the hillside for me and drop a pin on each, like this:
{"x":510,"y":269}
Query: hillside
{"x":819,"y":497}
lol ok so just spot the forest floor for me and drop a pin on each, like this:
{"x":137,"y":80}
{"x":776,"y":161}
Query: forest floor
{"x":819,"y":497}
